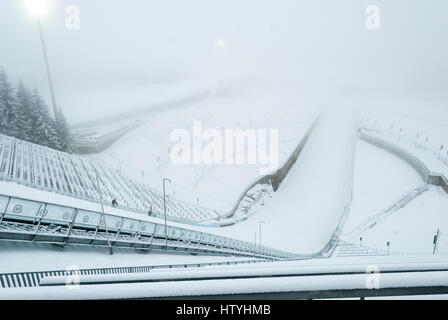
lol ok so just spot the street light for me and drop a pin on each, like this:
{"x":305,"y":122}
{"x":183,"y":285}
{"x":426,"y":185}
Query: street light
{"x":220,"y":42}
{"x":164,"y":210}
{"x":39,"y":8}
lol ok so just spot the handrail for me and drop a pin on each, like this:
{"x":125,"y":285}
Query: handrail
{"x":394,"y":206}
{"x":32,"y":279}
{"x":19,"y":210}
{"x":427,"y":175}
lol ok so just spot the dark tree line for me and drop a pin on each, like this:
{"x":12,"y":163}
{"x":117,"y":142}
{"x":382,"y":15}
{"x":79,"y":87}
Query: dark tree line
{"x":25,"y":115}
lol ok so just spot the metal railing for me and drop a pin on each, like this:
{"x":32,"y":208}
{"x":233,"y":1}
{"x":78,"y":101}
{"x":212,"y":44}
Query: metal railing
{"x":32,"y":279}
{"x":27,"y":220}
{"x":427,"y":175}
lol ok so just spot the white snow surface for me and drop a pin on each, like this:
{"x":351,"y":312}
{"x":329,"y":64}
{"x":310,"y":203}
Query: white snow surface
{"x":412,"y":228}
{"x":304,"y":213}
{"x":218,"y":187}
{"x":380,"y":179}
{"x":26,"y":257}
{"x":259,"y":285}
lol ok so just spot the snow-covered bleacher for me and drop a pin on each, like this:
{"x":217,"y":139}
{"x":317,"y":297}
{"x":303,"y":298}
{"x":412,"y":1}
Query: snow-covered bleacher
{"x":44,"y":168}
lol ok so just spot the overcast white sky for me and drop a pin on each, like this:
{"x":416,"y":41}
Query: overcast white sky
{"x":128,"y":52}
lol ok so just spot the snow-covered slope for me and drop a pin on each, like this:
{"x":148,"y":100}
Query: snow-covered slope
{"x":412,"y":229}
{"x":380,"y":179}
{"x":219,"y":186}
{"x":306,"y":211}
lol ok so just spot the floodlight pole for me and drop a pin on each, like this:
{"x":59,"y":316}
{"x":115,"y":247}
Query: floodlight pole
{"x":47,"y":65}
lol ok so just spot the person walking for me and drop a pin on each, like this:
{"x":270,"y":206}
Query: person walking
{"x":150,"y":210}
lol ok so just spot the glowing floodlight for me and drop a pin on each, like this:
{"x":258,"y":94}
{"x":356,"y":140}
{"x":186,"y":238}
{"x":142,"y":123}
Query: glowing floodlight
{"x":38,"y":8}
{"x":220,"y":42}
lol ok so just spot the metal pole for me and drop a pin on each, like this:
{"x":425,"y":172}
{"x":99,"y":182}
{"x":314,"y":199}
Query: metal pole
{"x":143,"y":183}
{"x":261,"y":222}
{"x":436,"y":240}
{"x":164,"y":211}
{"x":255,"y":240}
{"x":99,"y":189}
{"x":47,"y":65}
{"x":102,"y":210}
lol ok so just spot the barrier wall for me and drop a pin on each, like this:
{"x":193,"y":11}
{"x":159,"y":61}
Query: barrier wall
{"x":428,"y":177}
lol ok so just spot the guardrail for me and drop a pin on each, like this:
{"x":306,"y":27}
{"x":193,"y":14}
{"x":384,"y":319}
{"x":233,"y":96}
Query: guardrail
{"x":26,"y":220}
{"x":407,"y":157}
{"x":393,"y":207}
{"x":427,"y":175}
{"x":32,"y":279}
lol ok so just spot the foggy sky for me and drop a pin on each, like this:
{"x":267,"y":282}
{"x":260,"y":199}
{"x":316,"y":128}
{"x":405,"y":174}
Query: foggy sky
{"x":128,"y":52}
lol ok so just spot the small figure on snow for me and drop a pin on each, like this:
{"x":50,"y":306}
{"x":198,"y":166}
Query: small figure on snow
{"x":150,"y":210}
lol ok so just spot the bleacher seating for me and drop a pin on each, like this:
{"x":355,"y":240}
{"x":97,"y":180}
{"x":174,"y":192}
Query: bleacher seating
{"x":74,"y":175}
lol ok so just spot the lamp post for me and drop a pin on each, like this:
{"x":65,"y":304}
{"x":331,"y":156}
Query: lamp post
{"x":164,"y":210}
{"x":38,"y":8}
{"x":142,"y":189}
{"x":111,"y":251}
{"x":436,"y":241}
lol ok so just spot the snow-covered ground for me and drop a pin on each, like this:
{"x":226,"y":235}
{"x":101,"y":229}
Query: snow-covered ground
{"x":307,"y":209}
{"x":295,"y":218}
{"x":362,"y":265}
{"x":148,"y":147}
{"x":420,"y":119}
{"x":380,"y":179}
{"x":412,"y":228}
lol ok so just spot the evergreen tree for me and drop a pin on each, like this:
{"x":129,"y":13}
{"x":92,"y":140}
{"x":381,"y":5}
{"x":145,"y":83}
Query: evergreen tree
{"x":7,"y":105}
{"x":23,"y":123}
{"x":25,"y":115}
{"x":63,"y":132}
{"x":44,"y":128}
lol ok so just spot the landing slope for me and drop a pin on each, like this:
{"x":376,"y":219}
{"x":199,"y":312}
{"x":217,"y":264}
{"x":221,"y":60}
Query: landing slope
{"x":307,"y":209}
